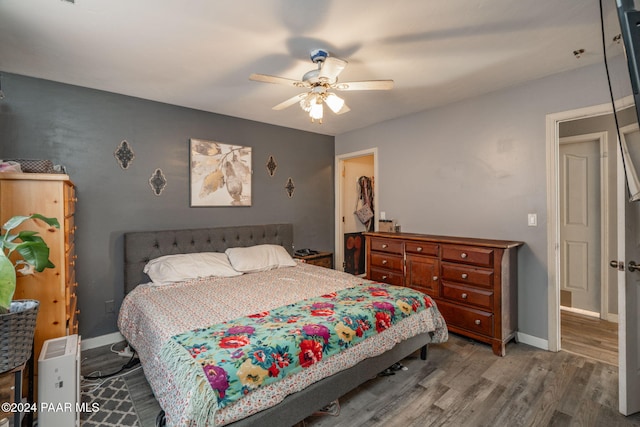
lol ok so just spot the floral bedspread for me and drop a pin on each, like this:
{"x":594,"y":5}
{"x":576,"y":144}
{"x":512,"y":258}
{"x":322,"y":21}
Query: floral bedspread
{"x":241,"y":355}
{"x":151,"y":316}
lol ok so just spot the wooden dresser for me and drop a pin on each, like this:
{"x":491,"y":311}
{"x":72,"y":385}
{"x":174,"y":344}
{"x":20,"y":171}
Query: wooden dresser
{"x":473,"y":281}
{"x":52,"y":195}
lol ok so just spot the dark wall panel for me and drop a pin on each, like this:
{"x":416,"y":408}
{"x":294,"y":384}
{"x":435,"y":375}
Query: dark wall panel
{"x":81,"y":128}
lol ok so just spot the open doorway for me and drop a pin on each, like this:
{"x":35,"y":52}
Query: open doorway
{"x":349,"y":243}
{"x":582,"y":237}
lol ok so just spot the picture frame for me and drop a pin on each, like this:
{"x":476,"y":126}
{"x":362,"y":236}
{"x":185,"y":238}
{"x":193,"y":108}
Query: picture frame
{"x":220,"y":174}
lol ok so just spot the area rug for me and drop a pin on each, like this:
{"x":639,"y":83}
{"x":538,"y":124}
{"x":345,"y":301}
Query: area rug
{"x":113,"y":405}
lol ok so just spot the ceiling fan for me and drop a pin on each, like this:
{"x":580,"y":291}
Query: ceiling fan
{"x":319,"y":83}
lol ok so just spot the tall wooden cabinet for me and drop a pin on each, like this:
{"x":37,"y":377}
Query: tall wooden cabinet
{"x":52,"y":195}
{"x":473,"y":281}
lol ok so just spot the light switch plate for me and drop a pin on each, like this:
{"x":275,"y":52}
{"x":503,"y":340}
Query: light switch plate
{"x":532,"y":220}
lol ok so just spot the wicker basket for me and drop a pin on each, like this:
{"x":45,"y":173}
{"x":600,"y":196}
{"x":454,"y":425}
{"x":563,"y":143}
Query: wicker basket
{"x":16,"y":333}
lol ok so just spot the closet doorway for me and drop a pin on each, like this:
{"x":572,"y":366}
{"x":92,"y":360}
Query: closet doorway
{"x":585,"y":223}
{"x":349,"y":168}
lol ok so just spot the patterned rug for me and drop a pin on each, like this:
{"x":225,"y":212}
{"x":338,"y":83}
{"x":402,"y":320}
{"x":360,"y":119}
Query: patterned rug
{"x":114,"y":403}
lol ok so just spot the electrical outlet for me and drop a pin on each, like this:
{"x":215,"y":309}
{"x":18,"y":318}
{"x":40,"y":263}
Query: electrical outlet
{"x":109,"y":307}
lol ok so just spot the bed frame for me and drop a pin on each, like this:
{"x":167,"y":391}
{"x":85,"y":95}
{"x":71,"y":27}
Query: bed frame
{"x":140,"y":247}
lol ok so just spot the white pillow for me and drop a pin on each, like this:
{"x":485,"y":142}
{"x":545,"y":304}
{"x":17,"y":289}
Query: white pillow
{"x":181,"y":267}
{"x":259,"y":258}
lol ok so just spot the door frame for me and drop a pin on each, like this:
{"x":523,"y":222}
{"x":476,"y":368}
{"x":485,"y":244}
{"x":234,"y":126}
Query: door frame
{"x":339,"y":192}
{"x":604,"y":215}
{"x":553,"y":227}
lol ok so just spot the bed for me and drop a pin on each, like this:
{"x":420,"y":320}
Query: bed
{"x":163,"y":322}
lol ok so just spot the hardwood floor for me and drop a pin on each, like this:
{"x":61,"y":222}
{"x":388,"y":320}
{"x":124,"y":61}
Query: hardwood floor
{"x":589,"y":337}
{"x":461,"y":384}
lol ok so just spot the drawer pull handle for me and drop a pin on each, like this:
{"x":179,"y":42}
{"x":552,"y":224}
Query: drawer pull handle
{"x":384,"y":262}
{"x":435,"y":278}
{"x":384,"y":246}
{"x":419,"y":249}
{"x":477,"y":322}
{"x":465,"y":275}
{"x":463,"y":255}
{"x":384,"y":277}
{"x":464,"y":296}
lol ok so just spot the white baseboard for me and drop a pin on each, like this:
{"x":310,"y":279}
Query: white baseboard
{"x":533,"y":341}
{"x":108,"y":339}
{"x":581,"y":311}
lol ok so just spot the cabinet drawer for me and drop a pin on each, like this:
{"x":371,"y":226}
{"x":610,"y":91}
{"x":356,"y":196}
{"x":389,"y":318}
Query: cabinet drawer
{"x":69,"y":199}
{"x":468,"y":275}
{"x":326,"y":262}
{"x":387,"y":261}
{"x":468,"y":255}
{"x":70,"y":231}
{"x":474,"y":296}
{"x":470,"y":319}
{"x":387,"y":276}
{"x":387,"y":245}
{"x":422,"y":248}
{"x":72,"y":299}
{"x":422,"y":274}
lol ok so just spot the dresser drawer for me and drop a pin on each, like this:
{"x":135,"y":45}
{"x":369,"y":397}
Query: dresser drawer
{"x":473,"y":296}
{"x":387,"y":276}
{"x":387,"y":245}
{"x":468,"y":255}
{"x":422,"y":248}
{"x":480,"y":322}
{"x":468,"y":275}
{"x":387,"y":261}
{"x":69,"y":199}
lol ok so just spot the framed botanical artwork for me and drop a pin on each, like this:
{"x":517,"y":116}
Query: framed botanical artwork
{"x":220,"y":174}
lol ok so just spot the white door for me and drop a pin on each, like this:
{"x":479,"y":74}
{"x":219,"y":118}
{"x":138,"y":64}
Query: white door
{"x":580,"y":219}
{"x":628,"y":290}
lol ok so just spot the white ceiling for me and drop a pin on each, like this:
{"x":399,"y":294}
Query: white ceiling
{"x":200,"y":53}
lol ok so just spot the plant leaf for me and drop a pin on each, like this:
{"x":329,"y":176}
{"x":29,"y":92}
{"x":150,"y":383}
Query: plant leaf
{"x":36,"y":254}
{"x":19,"y":219}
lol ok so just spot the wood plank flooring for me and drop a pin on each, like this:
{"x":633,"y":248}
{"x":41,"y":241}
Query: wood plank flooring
{"x":461,"y":384}
{"x":589,"y":336}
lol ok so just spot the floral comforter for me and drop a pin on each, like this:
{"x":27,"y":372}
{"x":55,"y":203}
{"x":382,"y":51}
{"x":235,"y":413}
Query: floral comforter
{"x":206,"y":343}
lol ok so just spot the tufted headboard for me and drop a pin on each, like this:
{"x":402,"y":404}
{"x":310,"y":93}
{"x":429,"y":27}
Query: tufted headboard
{"x":142,"y":246}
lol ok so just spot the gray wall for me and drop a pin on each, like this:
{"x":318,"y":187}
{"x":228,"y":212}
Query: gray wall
{"x":477,"y":167}
{"x":81,"y":128}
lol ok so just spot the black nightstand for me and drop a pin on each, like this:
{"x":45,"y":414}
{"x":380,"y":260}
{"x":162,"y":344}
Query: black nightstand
{"x":323,"y":259}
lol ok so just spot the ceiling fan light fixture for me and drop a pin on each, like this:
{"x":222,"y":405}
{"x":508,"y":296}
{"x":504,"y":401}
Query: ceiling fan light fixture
{"x":334,"y":102}
{"x":316,"y":112}
{"x":307,"y":101}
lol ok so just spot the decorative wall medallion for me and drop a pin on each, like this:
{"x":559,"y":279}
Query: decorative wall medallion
{"x":220,"y":174}
{"x":157,"y":182}
{"x":124,"y":155}
{"x":290,"y":187}
{"x":272,"y":166}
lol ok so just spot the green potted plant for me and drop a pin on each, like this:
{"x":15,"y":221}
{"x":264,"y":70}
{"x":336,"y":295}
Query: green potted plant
{"x":18,"y":318}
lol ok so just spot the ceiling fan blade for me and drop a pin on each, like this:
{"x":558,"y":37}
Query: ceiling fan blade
{"x":264,"y":78}
{"x":289,"y":102}
{"x":343,"y":110}
{"x":365,"y":85}
{"x":331,"y":69}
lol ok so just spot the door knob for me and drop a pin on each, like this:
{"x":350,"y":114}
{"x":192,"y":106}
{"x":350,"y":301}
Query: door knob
{"x":632,"y":266}
{"x":618,"y":265}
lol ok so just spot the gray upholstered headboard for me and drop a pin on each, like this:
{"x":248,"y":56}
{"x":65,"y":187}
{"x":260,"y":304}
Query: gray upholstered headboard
{"x":142,"y":246}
